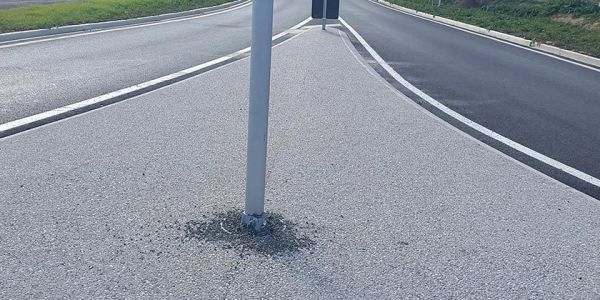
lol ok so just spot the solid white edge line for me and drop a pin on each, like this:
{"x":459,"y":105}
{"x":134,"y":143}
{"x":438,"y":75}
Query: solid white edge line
{"x":538,"y":51}
{"x":523,"y":149}
{"x":68,"y":36}
{"x":168,"y":16}
{"x":6,"y":127}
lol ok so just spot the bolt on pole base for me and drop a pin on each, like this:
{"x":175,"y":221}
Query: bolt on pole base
{"x":256,"y":222}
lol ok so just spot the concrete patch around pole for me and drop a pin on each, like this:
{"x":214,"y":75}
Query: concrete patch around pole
{"x":279,"y":237}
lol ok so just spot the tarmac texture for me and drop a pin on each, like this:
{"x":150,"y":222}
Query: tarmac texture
{"x":381,"y":199}
{"x":546,"y":104}
{"x":42,"y":76}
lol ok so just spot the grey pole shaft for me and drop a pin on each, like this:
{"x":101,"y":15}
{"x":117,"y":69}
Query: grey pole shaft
{"x":260,"y":77}
{"x":324,"y":20}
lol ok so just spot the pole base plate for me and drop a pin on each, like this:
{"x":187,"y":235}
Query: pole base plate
{"x":256,"y":222}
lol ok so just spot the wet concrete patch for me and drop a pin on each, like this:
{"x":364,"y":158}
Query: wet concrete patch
{"x":279,"y":237}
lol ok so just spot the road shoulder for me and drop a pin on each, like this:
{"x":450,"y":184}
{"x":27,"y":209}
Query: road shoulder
{"x":587,"y":61}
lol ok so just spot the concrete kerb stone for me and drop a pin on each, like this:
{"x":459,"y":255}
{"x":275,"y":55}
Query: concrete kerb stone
{"x":586,"y":59}
{"x":19,"y":35}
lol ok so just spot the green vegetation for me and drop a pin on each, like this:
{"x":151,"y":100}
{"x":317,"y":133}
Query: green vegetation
{"x":87,"y":11}
{"x":569,"y":24}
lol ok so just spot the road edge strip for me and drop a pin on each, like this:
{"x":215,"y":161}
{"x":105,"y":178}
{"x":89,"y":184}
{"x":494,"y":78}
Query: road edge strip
{"x":27,"y":123}
{"x":469,"y":123}
{"x":29,"y":34}
{"x":582,"y":58}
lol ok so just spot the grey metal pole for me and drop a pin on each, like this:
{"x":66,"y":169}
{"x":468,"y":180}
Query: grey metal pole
{"x":258,"y":117}
{"x":324,"y":20}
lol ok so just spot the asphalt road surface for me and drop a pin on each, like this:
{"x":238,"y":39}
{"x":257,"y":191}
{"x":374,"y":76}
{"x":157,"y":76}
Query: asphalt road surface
{"x":38,"y":77}
{"x":548,"y":105}
{"x":16,"y":3}
{"x":127,"y":201}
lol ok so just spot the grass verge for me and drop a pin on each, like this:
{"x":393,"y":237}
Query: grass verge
{"x":88,"y":11}
{"x":568,"y":24}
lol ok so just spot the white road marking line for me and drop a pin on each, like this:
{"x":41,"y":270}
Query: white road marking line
{"x":62,"y":37}
{"x":491,"y":38}
{"x":41,"y":117}
{"x":523,"y":149}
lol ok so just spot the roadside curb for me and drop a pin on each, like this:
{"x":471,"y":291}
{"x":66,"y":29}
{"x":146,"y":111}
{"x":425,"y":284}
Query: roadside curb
{"x":19,"y":35}
{"x":586,"y":59}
